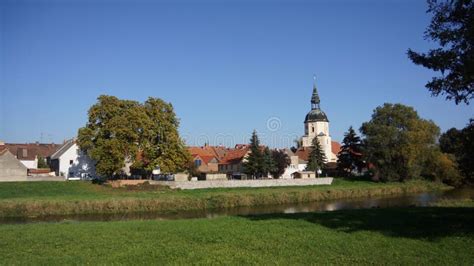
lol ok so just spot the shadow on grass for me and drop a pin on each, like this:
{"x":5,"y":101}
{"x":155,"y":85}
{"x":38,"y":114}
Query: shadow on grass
{"x":418,"y":222}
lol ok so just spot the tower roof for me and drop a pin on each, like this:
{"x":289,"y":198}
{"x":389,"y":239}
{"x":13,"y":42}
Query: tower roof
{"x":315,"y":98}
{"x":316,"y":114}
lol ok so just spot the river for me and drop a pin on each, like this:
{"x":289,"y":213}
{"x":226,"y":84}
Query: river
{"x":419,"y":200}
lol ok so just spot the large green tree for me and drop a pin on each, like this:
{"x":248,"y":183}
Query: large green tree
{"x":145,"y":135}
{"x":350,"y":155}
{"x":397,"y":141}
{"x":452,"y":27}
{"x":317,"y":158}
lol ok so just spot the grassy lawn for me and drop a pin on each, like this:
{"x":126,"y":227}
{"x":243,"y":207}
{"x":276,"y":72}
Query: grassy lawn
{"x":65,"y":198}
{"x":428,"y":236}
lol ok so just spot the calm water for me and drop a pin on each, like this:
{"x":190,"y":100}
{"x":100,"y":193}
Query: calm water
{"x":422,"y":199}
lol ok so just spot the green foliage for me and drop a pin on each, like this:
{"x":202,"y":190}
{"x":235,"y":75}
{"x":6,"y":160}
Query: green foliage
{"x":254,"y":161}
{"x":145,"y":135}
{"x":42,"y":162}
{"x":397,"y":142}
{"x":452,"y":26}
{"x":281,"y":161}
{"x":460,"y":143}
{"x":317,"y":157}
{"x":442,"y":167}
{"x":259,"y":162}
{"x":350,"y":155}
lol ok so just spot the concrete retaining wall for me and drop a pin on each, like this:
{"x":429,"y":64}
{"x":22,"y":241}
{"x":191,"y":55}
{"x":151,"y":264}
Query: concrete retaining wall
{"x":246,"y":183}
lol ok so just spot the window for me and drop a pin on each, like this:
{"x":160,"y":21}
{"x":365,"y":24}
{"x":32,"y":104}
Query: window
{"x":197,"y":163}
{"x":70,"y":162}
{"x":312,"y":129}
{"x":25,"y":152}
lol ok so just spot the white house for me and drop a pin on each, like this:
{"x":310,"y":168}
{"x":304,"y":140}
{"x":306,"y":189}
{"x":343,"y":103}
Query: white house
{"x":69,"y":161}
{"x":296,"y":165}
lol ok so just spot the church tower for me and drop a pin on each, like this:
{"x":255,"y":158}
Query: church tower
{"x":316,"y":125}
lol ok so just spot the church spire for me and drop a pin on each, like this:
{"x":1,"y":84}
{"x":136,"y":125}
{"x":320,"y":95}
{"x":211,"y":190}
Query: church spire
{"x":315,"y":101}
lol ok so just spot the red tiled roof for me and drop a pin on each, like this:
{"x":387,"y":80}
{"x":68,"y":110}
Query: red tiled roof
{"x":234,"y":156}
{"x":303,"y":152}
{"x":205,"y":159}
{"x":335,"y":147}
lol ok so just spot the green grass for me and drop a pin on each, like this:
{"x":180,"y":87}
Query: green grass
{"x":66,"y":198}
{"x":425,"y":236}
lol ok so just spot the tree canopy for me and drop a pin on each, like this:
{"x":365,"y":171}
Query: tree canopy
{"x":397,"y":141}
{"x":145,"y":135}
{"x":452,"y":27}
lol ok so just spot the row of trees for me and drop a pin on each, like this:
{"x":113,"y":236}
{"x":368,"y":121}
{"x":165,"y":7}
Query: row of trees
{"x":398,"y":145}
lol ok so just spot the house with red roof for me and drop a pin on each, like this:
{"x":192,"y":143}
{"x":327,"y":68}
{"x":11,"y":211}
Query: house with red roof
{"x":231,"y":163}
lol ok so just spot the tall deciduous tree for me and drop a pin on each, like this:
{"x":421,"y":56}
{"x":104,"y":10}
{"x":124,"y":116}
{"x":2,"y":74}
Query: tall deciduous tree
{"x":317,"y":158}
{"x":452,"y":26}
{"x":397,"y":141}
{"x":350,"y":155}
{"x":144,"y":135}
{"x":281,"y":161}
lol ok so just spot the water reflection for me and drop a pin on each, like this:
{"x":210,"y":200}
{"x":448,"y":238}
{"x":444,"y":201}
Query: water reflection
{"x":423,"y":199}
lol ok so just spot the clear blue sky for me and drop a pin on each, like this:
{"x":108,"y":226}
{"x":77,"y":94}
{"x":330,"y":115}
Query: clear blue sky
{"x":227,"y":67}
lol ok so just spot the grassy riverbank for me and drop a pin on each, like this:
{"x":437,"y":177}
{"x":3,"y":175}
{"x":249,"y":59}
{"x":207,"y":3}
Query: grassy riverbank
{"x":66,"y":198}
{"x":430,"y":236}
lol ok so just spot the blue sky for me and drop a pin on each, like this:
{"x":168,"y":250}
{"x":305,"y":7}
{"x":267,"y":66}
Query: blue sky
{"x":228,"y":67}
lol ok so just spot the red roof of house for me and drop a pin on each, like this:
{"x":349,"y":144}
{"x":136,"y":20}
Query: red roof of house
{"x":206,"y":153}
{"x":303,"y":152}
{"x":205,"y":159}
{"x":234,"y":156}
{"x":335,"y":147}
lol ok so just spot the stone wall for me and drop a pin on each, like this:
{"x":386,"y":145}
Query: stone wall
{"x":246,"y":183}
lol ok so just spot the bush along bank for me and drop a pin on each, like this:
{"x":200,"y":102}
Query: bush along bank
{"x":177,"y":201}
